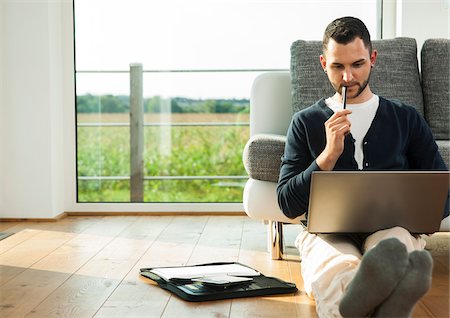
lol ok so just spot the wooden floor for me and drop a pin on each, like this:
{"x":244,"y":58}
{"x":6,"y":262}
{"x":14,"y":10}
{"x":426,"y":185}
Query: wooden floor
{"x":89,"y":267}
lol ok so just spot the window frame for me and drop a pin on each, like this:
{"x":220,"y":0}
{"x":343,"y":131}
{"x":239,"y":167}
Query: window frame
{"x":70,"y":166}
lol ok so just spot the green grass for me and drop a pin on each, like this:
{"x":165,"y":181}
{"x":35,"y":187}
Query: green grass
{"x":168,"y":151}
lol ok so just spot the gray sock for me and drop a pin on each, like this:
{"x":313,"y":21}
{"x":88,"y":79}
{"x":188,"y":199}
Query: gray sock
{"x":411,"y":288}
{"x":380,"y":271}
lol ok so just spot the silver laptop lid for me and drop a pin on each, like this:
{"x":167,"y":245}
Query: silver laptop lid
{"x":367,"y":201}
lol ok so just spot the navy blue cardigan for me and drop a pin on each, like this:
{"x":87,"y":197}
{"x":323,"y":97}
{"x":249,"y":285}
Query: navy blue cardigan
{"x":398,"y":139}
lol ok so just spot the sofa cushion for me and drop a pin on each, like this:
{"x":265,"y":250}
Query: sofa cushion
{"x":435,"y":61}
{"x":444,"y":150}
{"x":262,"y":156}
{"x":395,"y":75}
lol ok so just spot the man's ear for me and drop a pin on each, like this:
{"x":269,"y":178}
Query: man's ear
{"x":373,"y":57}
{"x":323,"y":62}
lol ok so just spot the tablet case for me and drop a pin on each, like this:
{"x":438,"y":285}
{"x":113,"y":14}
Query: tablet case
{"x":197,"y":291}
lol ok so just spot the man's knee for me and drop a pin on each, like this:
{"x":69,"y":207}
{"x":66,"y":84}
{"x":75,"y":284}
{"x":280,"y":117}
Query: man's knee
{"x":398,"y":232}
{"x":411,"y":242}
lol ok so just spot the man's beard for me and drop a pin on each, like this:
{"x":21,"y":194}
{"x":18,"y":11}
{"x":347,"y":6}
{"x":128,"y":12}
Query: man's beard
{"x":361,"y":87}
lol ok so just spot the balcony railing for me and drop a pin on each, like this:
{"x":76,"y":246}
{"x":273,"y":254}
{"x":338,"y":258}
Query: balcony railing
{"x":137,"y":124}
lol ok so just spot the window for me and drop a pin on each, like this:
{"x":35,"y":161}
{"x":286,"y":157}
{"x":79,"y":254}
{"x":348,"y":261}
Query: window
{"x":198,"y":61}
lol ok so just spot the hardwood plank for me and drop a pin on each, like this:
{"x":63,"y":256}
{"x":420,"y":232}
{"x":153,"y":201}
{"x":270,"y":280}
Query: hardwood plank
{"x":89,"y":266}
{"x":68,"y":224}
{"x":44,"y":249}
{"x":46,"y":275}
{"x":84,"y":292}
{"x":30,"y":225}
{"x":21,"y":294}
{"x":71,"y":256}
{"x":9,"y":272}
{"x":437,"y":299}
{"x":78,"y":224}
{"x":305,"y":306}
{"x":110,"y":225}
{"x":68,"y":258}
{"x":176,"y":243}
{"x":180,"y":308}
{"x":5,"y":226}
{"x":421,"y":311}
{"x":16,"y":239}
{"x":253,"y":253}
{"x":219,"y":242}
{"x":31,"y":251}
{"x":38,"y":248}
{"x":137,"y":296}
{"x":436,"y":302}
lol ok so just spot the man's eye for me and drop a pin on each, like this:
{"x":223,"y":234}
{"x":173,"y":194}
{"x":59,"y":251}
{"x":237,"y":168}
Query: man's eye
{"x":337,"y":67}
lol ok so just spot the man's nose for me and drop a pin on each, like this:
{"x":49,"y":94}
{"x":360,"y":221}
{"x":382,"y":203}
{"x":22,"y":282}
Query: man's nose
{"x":347,"y":76}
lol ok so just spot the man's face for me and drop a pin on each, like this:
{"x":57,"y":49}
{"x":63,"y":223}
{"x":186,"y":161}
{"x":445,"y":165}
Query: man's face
{"x":349,"y":65}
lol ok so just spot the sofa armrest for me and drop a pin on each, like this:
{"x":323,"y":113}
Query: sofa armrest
{"x":262,"y":156}
{"x":444,"y":150}
{"x":261,"y":203}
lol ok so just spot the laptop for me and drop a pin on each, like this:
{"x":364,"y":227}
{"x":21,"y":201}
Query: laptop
{"x":368,"y":201}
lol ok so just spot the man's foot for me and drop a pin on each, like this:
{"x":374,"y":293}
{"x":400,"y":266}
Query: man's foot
{"x":411,"y":288}
{"x":379,"y":272}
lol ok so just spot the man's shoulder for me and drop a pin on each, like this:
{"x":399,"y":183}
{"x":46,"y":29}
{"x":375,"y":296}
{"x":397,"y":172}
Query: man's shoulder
{"x":397,"y":105}
{"x":319,"y":108}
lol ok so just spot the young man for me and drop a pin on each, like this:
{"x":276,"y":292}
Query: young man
{"x":385,"y":273}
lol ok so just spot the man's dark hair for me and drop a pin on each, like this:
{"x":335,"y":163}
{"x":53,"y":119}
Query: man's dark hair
{"x":345,"y":30}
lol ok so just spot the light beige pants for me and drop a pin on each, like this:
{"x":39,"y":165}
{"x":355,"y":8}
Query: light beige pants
{"x":329,"y":262}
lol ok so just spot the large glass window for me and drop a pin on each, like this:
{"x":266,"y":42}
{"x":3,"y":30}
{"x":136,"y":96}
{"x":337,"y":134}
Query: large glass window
{"x":196,"y":61}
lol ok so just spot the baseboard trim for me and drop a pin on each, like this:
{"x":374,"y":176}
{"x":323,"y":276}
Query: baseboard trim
{"x":54,"y":219}
{"x":192,"y":213}
{"x":66,"y":214}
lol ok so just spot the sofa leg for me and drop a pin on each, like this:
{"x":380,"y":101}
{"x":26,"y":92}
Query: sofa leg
{"x":275,"y":239}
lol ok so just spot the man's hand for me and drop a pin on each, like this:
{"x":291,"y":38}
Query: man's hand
{"x":336,"y":128}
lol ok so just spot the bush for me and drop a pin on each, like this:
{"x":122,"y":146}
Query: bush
{"x":168,"y":151}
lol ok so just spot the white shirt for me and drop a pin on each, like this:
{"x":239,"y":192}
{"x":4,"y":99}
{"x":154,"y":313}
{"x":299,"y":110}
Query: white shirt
{"x":361,"y":119}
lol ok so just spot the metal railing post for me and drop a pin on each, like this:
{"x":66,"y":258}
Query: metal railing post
{"x":136,"y":134}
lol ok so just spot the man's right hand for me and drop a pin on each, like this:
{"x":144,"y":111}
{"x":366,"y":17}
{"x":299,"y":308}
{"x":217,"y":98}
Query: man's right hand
{"x":336,"y":128}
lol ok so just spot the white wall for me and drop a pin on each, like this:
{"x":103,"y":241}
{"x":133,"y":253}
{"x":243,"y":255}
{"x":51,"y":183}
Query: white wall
{"x":37,"y":121}
{"x":423,"y":19}
{"x":32,"y":108}
{"x":418,"y":19}
{"x":2,"y":145}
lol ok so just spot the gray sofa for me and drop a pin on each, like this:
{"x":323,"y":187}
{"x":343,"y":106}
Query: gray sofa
{"x":276,"y":96}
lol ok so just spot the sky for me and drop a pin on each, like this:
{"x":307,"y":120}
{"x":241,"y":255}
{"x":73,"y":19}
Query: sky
{"x":197,"y":35}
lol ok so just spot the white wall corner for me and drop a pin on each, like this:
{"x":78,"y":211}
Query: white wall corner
{"x":57,"y":104}
{"x":389,"y":19}
{"x":423,"y":19}
{"x":69,"y":115}
{"x":32,"y":109}
{"x":2,"y":105}
{"x":398,"y":18}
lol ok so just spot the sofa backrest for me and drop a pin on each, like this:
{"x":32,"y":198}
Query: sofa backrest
{"x":395,"y":75}
{"x":435,"y":66}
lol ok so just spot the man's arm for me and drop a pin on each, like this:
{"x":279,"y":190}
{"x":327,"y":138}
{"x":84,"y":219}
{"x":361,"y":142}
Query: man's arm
{"x":336,"y":128}
{"x":423,"y":152}
{"x":297,"y":165}
{"x":298,"y":162}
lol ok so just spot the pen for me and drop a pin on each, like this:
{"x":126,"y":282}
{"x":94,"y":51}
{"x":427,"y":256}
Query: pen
{"x":344,"y":97}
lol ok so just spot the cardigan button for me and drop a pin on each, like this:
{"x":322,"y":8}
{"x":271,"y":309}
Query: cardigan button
{"x":367,"y":164}
{"x":365,"y":142}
